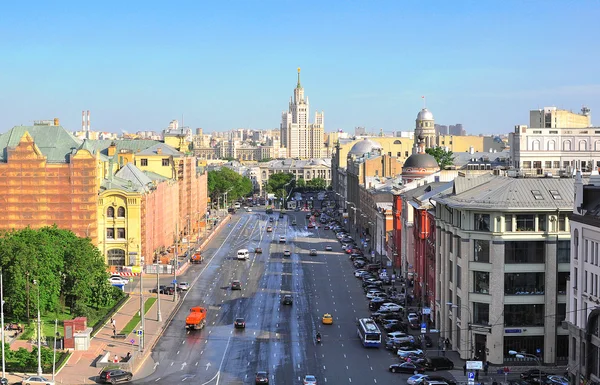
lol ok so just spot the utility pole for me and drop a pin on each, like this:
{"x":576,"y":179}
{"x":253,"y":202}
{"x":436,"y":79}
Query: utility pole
{"x":54,"y":352}
{"x":158,"y":314}
{"x":142,"y":315}
{"x":175,"y":263}
{"x":188,"y":238}
{"x":2,"y":321}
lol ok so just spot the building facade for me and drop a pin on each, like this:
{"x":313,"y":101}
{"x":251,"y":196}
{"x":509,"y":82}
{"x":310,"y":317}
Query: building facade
{"x":303,"y":140}
{"x":502,"y":261}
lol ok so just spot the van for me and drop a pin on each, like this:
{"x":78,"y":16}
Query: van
{"x":237,"y":205}
{"x":243,"y":254}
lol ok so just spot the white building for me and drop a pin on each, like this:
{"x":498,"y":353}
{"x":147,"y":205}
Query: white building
{"x":502,"y":265}
{"x":301,"y":139}
{"x":584,"y":298}
{"x":559,"y":143}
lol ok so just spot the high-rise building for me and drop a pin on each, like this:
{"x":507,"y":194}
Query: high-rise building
{"x":551,"y":117}
{"x":300,"y":138}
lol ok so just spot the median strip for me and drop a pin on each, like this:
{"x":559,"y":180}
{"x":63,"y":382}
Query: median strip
{"x":135,"y":320}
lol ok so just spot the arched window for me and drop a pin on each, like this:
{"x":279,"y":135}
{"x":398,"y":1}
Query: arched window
{"x":116,"y":257}
{"x":397,"y":142}
{"x":535,"y":145}
{"x":582,"y":145}
{"x":567,"y":145}
{"x":551,"y":145}
{"x":597,"y":146}
{"x":121,"y":212}
{"x":110,"y":212}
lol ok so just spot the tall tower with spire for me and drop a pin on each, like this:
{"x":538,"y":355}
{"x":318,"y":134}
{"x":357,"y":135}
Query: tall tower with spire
{"x":425,"y":128}
{"x":300,"y":138}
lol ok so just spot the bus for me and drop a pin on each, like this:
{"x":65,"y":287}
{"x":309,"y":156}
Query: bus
{"x":369,"y":333}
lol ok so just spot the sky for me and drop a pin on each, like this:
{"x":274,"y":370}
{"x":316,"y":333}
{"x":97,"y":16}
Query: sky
{"x":137,"y":65}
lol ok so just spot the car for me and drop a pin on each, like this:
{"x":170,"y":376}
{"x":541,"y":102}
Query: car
{"x":416,"y":379}
{"x":313,"y":252}
{"x":327,"y":227}
{"x":533,"y":375}
{"x":558,"y":380}
{"x":282,"y":239}
{"x":412,"y":316}
{"x":107,"y":376}
{"x":258,"y":250}
{"x":391,"y":306}
{"x":406,"y":367}
{"x":371,"y":294}
{"x":287,"y":299}
{"x":183,"y":286}
{"x":375,"y":303}
{"x":294,"y":223}
{"x":327,"y":319}
{"x":271,"y":219}
{"x":262,"y":377}
{"x":309,"y":379}
{"x":358,"y":273}
{"x":395,"y":327}
{"x":412,"y":352}
{"x":117,"y":280}
{"x":287,"y":253}
{"x":431,"y":378}
{"x":239,"y":323}
{"x":248,"y":209}
{"x":236,"y":285}
{"x":269,"y":228}
{"x":328,"y":248}
{"x":438,"y":363}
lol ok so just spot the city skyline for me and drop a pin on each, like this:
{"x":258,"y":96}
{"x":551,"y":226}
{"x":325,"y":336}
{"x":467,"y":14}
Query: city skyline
{"x":228,"y":67}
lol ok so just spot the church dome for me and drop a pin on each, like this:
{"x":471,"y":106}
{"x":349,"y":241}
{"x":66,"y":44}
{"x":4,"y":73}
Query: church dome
{"x":363,"y":147}
{"x":420,"y":161}
{"x":424,"y":114}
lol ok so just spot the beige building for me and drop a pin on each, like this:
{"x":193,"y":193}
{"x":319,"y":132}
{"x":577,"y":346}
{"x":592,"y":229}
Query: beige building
{"x":302,"y":139}
{"x":470,"y":143}
{"x":552,"y":117}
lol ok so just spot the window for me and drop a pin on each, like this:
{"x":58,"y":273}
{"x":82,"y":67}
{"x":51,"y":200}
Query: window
{"x":116,"y":257}
{"x":450,"y":271}
{"x":524,"y":344}
{"x":562,"y":222}
{"x":563,"y":253}
{"x":575,"y":280}
{"x":508,"y":222}
{"x":548,"y":164}
{"x":537,"y":163}
{"x":482,"y":222}
{"x":524,"y":283}
{"x":165,"y":162}
{"x":481,"y":282}
{"x":537,"y":195}
{"x":482,"y":250}
{"x":527,"y":164}
{"x":524,"y":315}
{"x":481,"y":313}
{"x":110,"y":212}
{"x":585,"y":250}
{"x":458,"y":247}
{"x":525,"y":222}
{"x":121,"y":233}
{"x":450,"y":243}
{"x":561,"y":313}
{"x":556,"y":164}
{"x":458,"y":307}
{"x":458,"y":276}
{"x":555,"y":194}
{"x":121,"y":212}
{"x":110,"y":233}
{"x":143,"y":162}
{"x":524,"y":252}
{"x":542,"y":225}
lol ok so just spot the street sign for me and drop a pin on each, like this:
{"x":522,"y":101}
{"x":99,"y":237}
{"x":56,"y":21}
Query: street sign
{"x":140,"y":332}
{"x":471,"y":378}
{"x":474,"y":365}
{"x":426,"y":310}
{"x":132,"y":341}
{"x":423,"y":328}
{"x":174,"y":281}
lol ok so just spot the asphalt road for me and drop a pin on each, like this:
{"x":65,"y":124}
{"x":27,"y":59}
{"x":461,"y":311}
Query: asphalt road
{"x":278,"y":339}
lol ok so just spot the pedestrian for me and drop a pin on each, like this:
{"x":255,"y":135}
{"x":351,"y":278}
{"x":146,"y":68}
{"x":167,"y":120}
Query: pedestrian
{"x":477,"y":375}
{"x":447,"y":343}
{"x":465,"y":369}
{"x":485,"y":368}
{"x":114,"y":332}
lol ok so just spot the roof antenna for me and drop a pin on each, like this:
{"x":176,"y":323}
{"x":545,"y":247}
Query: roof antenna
{"x":424,"y":102}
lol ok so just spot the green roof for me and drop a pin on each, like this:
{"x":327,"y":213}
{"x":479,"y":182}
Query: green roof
{"x":134,"y":145}
{"x":56,"y":143}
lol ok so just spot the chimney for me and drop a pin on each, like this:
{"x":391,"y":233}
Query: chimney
{"x":88,"y":120}
{"x":56,"y":122}
{"x":112,"y":149}
{"x":159,"y":151}
{"x":82,"y":120}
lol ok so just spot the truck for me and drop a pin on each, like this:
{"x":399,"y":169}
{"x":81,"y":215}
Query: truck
{"x":196,"y":257}
{"x":196,"y":319}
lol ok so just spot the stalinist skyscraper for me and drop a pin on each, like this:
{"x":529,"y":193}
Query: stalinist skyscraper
{"x":300,"y":138}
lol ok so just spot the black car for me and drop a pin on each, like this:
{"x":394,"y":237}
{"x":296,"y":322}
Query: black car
{"x":518,"y":382}
{"x":287,"y":300}
{"x":262,"y":378}
{"x":236,"y":285}
{"x":111,"y":376}
{"x":441,"y":379}
{"x":376,"y":303}
{"x":406,"y":367}
{"x":534,"y":375}
{"x":438,"y":363}
{"x":426,"y":340}
{"x":239,"y":323}
{"x":395,"y":327}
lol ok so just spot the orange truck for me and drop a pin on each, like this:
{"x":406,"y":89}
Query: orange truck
{"x":196,"y":319}
{"x":196,"y":257}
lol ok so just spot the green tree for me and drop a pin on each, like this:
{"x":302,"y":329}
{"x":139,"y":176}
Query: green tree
{"x":300,"y":183}
{"x":227,"y":180}
{"x":444,"y":158}
{"x":317,"y":183}
{"x":280,"y":182}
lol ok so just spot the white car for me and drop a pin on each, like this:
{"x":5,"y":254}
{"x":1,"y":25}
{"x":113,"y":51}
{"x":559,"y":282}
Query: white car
{"x":412,"y":352}
{"x":391,"y":306}
{"x":37,"y":380}
{"x":248,"y":209}
{"x":287,"y":253}
{"x":328,"y":248}
{"x":309,"y":379}
{"x":394,"y":335}
{"x":281,"y":239}
{"x":416,"y":379}
{"x":118,"y":280}
{"x":184,"y":286}
{"x":371,"y":294}
{"x":412,"y":316}
{"x":358,"y":273}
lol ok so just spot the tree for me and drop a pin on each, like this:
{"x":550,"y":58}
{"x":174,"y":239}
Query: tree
{"x":317,"y":183}
{"x":280,"y":182}
{"x":444,"y":158}
{"x":227,"y":180}
{"x":300,"y":183}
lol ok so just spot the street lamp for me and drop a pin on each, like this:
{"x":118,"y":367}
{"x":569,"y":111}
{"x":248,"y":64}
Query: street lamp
{"x":530,"y":356}
{"x":2,"y":322}
{"x":39,"y":333}
{"x":469,"y":331}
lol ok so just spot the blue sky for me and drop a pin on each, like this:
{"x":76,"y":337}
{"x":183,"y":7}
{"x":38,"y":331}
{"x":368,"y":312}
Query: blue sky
{"x":136,"y":65}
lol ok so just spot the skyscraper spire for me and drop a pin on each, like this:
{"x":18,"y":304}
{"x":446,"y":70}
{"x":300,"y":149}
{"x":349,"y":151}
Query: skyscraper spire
{"x":298,"y":86}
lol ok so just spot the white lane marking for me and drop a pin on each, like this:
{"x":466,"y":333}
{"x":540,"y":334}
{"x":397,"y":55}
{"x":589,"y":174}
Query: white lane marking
{"x":183,"y":365}
{"x":158,"y":379}
{"x":172,"y":363}
{"x":222,"y":360}
{"x":208,"y":365}
{"x":178,"y":352}
{"x":183,"y":342}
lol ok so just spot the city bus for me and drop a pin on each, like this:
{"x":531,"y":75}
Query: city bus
{"x":369,"y":333}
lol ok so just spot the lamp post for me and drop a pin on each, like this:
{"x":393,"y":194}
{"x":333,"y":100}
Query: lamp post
{"x":530,"y":356}
{"x":2,"y":321}
{"x":469,"y":331}
{"x":39,"y":330}
{"x":142,"y":315}
{"x":158,"y":313}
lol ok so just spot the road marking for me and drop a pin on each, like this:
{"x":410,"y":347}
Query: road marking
{"x":375,"y":380}
{"x":344,"y":356}
{"x":183,"y":365}
{"x":178,"y":352}
{"x":349,"y":379}
{"x":158,"y":379}
{"x":371,"y":367}
{"x":183,"y":342}
{"x":196,"y":363}
{"x":172,"y":363}
{"x":208,"y":365}
{"x":222,"y":360}
{"x":323,"y":367}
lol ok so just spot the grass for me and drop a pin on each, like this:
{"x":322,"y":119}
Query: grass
{"x":135,"y":320}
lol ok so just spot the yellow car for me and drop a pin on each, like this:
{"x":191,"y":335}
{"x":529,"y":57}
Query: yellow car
{"x":327,"y":319}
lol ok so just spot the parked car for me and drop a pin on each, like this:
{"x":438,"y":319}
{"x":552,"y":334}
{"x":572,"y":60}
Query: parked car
{"x":416,"y":379}
{"x":406,"y":367}
{"x":431,"y":378}
{"x":534,"y":375}
{"x":107,"y":376}
{"x":390,"y":306}
{"x":437,"y":363}
{"x":557,"y":380}
{"x":118,"y":280}
{"x":183,"y":286}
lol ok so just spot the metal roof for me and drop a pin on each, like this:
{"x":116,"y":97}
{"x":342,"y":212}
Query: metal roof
{"x":500,"y":193}
{"x":54,"y":142}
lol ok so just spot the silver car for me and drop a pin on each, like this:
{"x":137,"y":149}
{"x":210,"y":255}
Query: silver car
{"x":184,"y":286}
